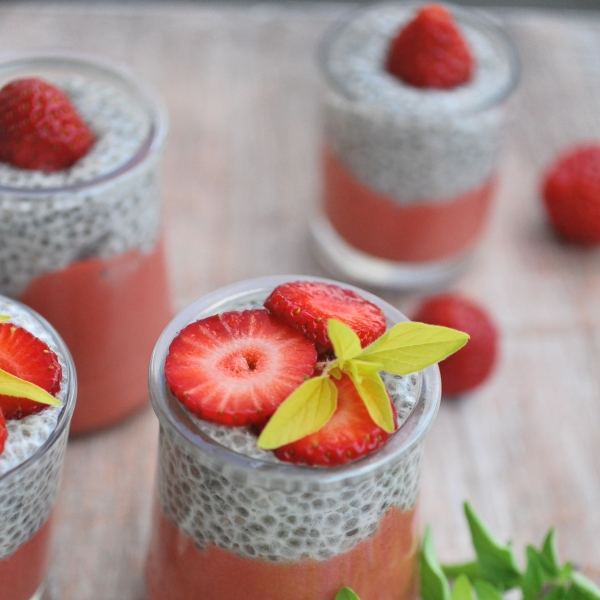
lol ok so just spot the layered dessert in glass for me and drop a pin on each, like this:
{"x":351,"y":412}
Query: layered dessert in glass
{"x":82,"y":244}
{"x":33,"y":438}
{"x":338,"y":507}
{"x":409,"y":169}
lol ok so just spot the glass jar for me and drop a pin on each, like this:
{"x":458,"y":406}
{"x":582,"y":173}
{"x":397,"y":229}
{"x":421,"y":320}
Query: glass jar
{"x":30,"y":472}
{"x":409,"y":174}
{"x":229,"y":523}
{"x":83,"y":246}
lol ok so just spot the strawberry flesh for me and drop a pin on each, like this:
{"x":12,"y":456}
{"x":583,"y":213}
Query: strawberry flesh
{"x":3,"y":432}
{"x":40,"y":129}
{"x":430,"y":51}
{"x":238,"y":367}
{"x":307,"y":306}
{"x":348,"y":435}
{"x":27,"y":357}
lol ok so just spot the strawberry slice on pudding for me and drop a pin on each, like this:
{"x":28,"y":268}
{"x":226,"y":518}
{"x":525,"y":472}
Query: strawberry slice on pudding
{"x":236,"y":368}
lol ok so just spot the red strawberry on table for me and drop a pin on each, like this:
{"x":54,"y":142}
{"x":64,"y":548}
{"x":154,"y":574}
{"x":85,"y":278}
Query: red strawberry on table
{"x":472,"y":364}
{"x":238,"y":367}
{"x":40,"y":129}
{"x":307,"y":305}
{"x":430,"y":51}
{"x":27,"y":357}
{"x":571,"y":194}
{"x":348,"y":435}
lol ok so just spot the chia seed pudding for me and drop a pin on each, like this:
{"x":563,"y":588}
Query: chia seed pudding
{"x":31,"y":463}
{"x":82,"y":246}
{"x":409,"y":148}
{"x":219,"y":490}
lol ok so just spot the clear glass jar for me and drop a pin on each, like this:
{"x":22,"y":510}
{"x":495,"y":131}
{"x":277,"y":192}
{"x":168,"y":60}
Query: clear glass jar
{"x":83,"y":246}
{"x":231,"y":525}
{"x":30,"y":473}
{"x":409,"y":174}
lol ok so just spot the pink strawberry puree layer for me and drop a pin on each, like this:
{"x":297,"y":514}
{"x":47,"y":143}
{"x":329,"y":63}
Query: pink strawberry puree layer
{"x":377,"y":225}
{"x":110,"y":313}
{"x":383,"y":567}
{"x":23,"y":572}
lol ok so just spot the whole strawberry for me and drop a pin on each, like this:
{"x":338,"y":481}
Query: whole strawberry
{"x":472,"y":364}
{"x":571,"y":194}
{"x":430,"y":51}
{"x":40,"y":129}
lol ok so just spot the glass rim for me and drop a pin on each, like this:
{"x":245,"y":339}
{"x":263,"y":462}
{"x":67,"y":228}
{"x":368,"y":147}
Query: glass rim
{"x":64,"y":418}
{"x":122,"y":74}
{"x":173,"y":418}
{"x":473,"y":16}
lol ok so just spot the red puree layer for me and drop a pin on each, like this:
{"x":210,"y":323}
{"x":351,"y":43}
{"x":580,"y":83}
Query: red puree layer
{"x":22,"y":573}
{"x":110,"y":313}
{"x":376,"y":224}
{"x":383,"y":567}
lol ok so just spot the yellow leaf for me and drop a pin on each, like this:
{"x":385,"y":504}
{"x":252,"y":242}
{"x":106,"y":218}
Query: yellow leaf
{"x":13,"y":386}
{"x":303,"y":412}
{"x":4,"y":318}
{"x":371,"y":389}
{"x":344,"y":340}
{"x":409,"y":347}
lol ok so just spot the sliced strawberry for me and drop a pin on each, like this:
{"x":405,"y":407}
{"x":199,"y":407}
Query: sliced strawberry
{"x":40,"y":129}
{"x":348,"y":435}
{"x":3,"y":432}
{"x":238,"y":367}
{"x":307,"y":305}
{"x":25,"y":356}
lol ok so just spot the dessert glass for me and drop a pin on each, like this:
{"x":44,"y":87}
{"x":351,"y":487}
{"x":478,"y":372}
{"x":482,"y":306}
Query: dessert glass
{"x":408,"y":173}
{"x":233,"y":523}
{"x":83,"y":246}
{"x":30,"y":472}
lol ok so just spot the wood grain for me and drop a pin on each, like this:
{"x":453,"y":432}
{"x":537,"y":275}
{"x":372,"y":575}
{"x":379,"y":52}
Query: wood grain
{"x":241,"y":180}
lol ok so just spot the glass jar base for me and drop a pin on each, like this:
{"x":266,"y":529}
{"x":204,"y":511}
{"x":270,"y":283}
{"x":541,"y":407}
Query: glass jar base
{"x":346,"y":262}
{"x":40,"y":593}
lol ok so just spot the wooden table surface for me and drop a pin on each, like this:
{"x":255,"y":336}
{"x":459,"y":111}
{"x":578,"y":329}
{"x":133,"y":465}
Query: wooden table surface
{"x":241,"y":180}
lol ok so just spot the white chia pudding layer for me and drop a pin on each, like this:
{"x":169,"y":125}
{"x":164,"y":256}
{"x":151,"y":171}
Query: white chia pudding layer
{"x":48,"y":221}
{"x":246,"y":518}
{"x":28,"y":494}
{"x":410,"y":143}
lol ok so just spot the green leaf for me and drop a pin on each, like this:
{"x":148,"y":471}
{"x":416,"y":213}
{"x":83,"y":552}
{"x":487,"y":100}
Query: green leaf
{"x":345,"y":342}
{"x":496,"y":561}
{"x":549,"y":555}
{"x":303,"y":412}
{"x":409,"y":347}
{"x":565,"y":572}
{"x":486,"y":591}
{"x":585,"y":587}
{"x":434,"y":585}
{"x":13,"y":386}
{"x":556,"y":593}
{"x":462,"y":589}
{"x":346,"y":594}
{"x":534,"y":576}
{"x":470,"y":569}
{"x":371,"y":389}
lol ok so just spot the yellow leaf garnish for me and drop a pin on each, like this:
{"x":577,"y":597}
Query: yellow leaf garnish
{"x":372,"y":390}
{"x":13,"y":386}
{"x":4,"y":318}
{"x":344,"y":340}
{"x":303,"y":412}
{"x":409,"y":347}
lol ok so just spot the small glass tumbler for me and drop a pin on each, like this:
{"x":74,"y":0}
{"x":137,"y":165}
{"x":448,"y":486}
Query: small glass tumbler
{"x":231,"y":521}
{"x":408,"y":173}
{"x":82,"y":246}
{"x":30,"y":472}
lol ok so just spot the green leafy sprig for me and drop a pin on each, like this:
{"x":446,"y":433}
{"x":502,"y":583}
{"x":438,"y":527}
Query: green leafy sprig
{"x":495,"y":571}
{"x":10,"y":385}
{"x":406,"y":348}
